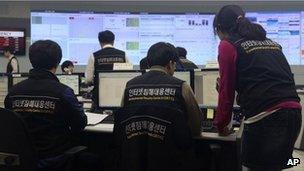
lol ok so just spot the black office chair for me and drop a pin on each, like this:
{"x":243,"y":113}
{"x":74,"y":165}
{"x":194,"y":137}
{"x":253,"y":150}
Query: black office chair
{"x":16,"y":150}
{"x":150,"y":139}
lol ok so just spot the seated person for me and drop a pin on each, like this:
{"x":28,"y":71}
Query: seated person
{"x":154,"y":94}
{"x":50,"y":109}
{"x":183,"y":62}
{"x":67,"y":67}
{"x":143,"y":64}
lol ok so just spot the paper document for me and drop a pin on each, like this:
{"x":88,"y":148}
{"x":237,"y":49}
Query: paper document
{"x":94,"y":118}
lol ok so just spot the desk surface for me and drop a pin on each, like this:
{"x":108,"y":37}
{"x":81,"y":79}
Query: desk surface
{"x":108,"y":128}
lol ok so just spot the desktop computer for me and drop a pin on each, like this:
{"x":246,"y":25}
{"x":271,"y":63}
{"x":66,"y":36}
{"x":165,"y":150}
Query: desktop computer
{"x":73,"y":81}
{"x":185,"y":75}
{"x":111,"y":86}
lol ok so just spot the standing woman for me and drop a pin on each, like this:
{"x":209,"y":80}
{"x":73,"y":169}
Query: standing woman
{"x":256,"y":68}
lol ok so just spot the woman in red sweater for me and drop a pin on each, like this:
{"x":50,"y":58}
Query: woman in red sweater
{"x":256,"y":68}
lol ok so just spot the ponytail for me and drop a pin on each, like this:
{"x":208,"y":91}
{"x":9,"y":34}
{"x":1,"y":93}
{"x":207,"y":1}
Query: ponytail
{"x":231,"y":19}
{"x":250,"y":30}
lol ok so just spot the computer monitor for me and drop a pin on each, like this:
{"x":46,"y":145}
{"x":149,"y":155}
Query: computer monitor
{"x":3,"y":88}
{"x":284,"y":27}
{"x":17,"y":78}
{"x":198,"y":85}
{"x":209,"y":93}
{"x":111,"y":86}
{"x":13,"y":38}
{"x":76,"y":32}
{"x":185,"y":75}
{"x":73,"y":81}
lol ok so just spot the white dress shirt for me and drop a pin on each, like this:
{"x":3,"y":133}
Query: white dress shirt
{"x":89,"y":73}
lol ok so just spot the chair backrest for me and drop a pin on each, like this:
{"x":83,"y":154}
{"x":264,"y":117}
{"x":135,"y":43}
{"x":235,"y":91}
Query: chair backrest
{"x":16,"y":150}
{"x":151,"y":137}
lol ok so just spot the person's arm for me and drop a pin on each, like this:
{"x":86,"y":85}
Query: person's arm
{"x":14,"y":64}
{"x":227,"y":67}
{"x":89,"y":73}
{"x":194,"y":113}
{"x":76,"y":117}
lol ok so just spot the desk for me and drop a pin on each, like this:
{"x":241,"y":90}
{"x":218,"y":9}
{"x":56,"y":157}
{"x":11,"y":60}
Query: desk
{"x":108,"y":128}
{"x":99,"y":139}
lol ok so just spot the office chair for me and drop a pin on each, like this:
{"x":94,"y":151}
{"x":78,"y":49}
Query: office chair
{"x":163,"y":143}
{"x":17,"y":152}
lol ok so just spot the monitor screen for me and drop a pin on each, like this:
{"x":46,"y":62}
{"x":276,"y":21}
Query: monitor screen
{"x":70,"y":80}
{"x":198,"y":86}
{"x":183,"y":75}
{"x":3,"y":88}
{"x":77,"y":33}
{"x":285,"y":29}
{"x":13,"y":38}
{"x":210,"y":95}
{"x":17,"y":78}
{"x":112,"y":86}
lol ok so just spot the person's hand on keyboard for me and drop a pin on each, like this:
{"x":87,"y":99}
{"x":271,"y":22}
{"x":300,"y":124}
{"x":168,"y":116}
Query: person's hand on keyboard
{"x":225,"y":132}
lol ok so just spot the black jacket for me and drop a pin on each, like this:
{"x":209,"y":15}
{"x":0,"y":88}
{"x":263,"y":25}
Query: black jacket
{"x":104,"y":58}
{"x":151,"y":129}
{"x":264,"y":77}
{"x":184,"y":63}
{"x":50,"y":110}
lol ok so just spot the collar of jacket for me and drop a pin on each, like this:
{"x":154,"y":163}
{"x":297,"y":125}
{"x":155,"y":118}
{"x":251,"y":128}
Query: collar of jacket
{"x":42,"y":74}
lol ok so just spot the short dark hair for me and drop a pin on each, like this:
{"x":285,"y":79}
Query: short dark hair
{"x":106,"y":36}
{"x":66,"y":64}
{"x":182,"y":52}
{"x":8,"y":49}
{"x":45,"y":54}
{"x":161,"y":53}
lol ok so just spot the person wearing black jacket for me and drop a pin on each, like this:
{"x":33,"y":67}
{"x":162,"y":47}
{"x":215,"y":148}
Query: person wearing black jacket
{"x":50,"y":109}
{"x":183,"y":62}
{"x":255,"y":67}
{"x":160,"y":115}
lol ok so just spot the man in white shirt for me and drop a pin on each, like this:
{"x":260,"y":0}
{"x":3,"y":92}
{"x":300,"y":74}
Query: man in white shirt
{"x":104,"y":58}
{"x":12,"y":65}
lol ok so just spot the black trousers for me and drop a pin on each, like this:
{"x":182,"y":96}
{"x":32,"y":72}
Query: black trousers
{"x":269,"y":143}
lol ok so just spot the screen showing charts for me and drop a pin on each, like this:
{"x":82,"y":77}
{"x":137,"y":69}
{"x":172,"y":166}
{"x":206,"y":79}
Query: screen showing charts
{"x":70,"y":80}
{"x":13,"y":38}
{"x":112,"y":86}
{"x":285,"y":29}
{"x":77,"y":33}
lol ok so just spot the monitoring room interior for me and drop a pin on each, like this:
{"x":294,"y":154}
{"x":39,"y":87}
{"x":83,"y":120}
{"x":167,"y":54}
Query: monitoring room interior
{"x":17,"y":15}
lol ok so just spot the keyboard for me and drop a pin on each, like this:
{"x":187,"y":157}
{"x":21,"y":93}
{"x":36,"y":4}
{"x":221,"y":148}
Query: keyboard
{"x":207,"y":126}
